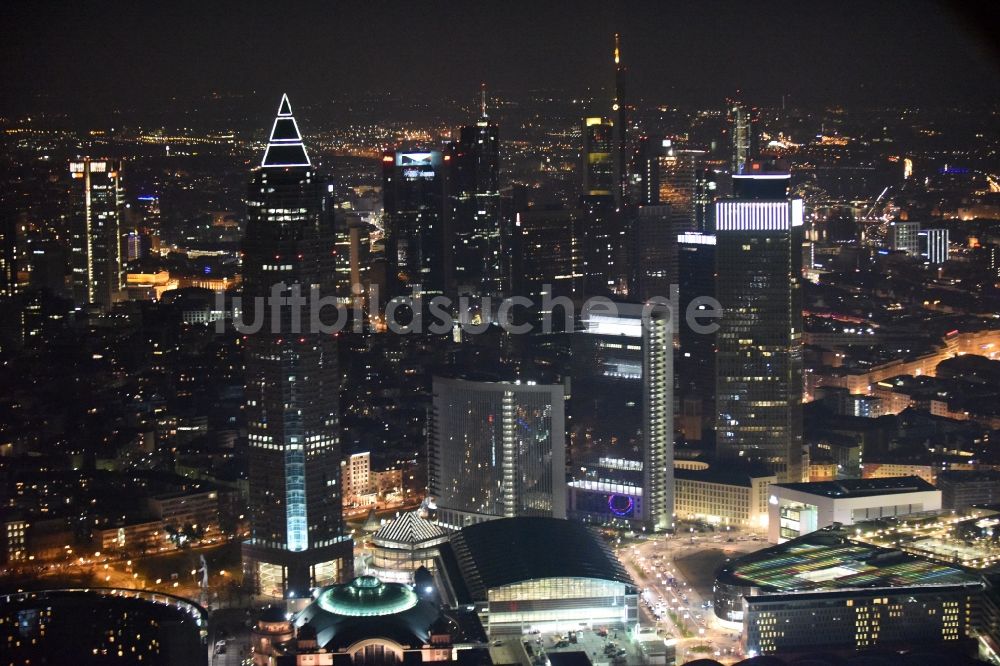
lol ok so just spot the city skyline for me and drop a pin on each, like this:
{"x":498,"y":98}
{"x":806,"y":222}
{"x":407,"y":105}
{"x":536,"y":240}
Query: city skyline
{"x":879,"y":52}
{"x":485,"y":334}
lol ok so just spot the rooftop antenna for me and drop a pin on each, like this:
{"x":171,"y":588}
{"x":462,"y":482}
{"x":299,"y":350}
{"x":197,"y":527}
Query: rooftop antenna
{"x":482,"y":90}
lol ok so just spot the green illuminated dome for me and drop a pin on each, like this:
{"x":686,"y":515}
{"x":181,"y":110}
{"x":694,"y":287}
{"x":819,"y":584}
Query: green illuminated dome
{"x":367,"y":596}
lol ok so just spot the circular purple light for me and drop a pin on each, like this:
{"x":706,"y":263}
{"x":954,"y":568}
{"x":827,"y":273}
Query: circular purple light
{"x":620,"y":512}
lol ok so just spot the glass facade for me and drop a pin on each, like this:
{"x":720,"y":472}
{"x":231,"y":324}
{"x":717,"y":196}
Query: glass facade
{"x":554,"y":602}
{"x":548,"y":255}
{"x":497,"y":449}
{"x":759,"y":342}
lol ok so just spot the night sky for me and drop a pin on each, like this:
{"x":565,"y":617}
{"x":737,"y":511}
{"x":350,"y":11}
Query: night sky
{"x":103,"y":55}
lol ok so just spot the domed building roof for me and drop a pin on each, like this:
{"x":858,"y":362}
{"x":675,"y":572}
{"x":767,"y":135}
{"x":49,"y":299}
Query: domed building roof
{"x":367,"y":596}
{"x":368,"y":608}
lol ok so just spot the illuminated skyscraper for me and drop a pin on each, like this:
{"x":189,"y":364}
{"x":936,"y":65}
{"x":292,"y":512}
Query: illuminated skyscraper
{"x":623,"y":398}
{"x":670,"y":197}
{"x":706,"y":189}
{"x":292,"y":380}
{"x":622,"y":126}
{"x":653,"y":256}
{"x":95,"y":230}
{"x":759,"y":342}
{"x":744,"y":142}
{"x":413,"y":191}
{"x":474,"y":207}
{"x":599,"y":171}
{"x":604,"y":246}
{"x":496,"y":450}
{"x":658,"y":417}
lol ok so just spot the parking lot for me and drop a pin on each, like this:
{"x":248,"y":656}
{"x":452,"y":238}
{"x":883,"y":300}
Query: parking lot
{"x":601,"y":646}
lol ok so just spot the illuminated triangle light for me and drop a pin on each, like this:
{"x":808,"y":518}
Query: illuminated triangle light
{"x":285,"y":147}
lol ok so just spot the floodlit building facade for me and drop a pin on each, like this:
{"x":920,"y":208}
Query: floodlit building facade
{"x":796,"y":509}
{"x":722,"y":495}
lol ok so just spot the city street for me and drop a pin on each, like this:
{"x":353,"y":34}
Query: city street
{"x":676,"y":574}
{"x":229,"y":625}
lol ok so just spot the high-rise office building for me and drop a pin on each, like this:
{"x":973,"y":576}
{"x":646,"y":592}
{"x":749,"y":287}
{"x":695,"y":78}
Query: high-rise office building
{"x":676,"y":169}
{"x":599,"y":170}
{"x":353,"y":257}
{"x":622,"y":127}
{"x":706,"y":189}
{"x":496,"y":450}
{"x":8,"y":249}
{"x":743,"y":136}
{"x":547,"y":249}
{"x":622,"y":410}
{"x":604,"y":248}
{"x":95,"y":230}
{"x":904,"y":236}
{"x":474,"y":208}
{"x":934,"y":245}
{"x":696,"y":360}
{"x":670,"y":200}
{"x":652,"y":259}
{"x":658,"y":416}
{"x":292,"y":379}
{"x":413,"y":191}
{"x":759,"y":342}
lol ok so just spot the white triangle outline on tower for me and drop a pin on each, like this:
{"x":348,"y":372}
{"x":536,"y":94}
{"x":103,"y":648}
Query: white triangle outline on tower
{"x":285,"y":113}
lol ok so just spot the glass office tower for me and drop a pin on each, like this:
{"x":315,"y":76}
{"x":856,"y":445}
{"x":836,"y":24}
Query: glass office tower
{"x":497,"y":449}
{"x":759,"y":343}
{"x":292,"y":380}
{"x":413,"y":192}
{"x":599,"y":170}
{"x":622,"y":413}
{"x":474,"y":208}
{"x":95,"y":230}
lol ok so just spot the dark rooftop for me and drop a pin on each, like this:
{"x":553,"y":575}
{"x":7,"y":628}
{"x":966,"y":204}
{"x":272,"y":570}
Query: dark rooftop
{"x":730,"y":475}
{"x":513,"y":550}
{"x":861,"y":487}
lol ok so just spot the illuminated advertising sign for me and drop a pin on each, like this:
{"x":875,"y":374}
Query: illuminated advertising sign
{"x":428,"y":159}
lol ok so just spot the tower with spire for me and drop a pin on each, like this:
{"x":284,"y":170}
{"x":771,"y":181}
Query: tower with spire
{"x":292,"y":381}
{"x":473,"y":203}
{"x":620,"y":109}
